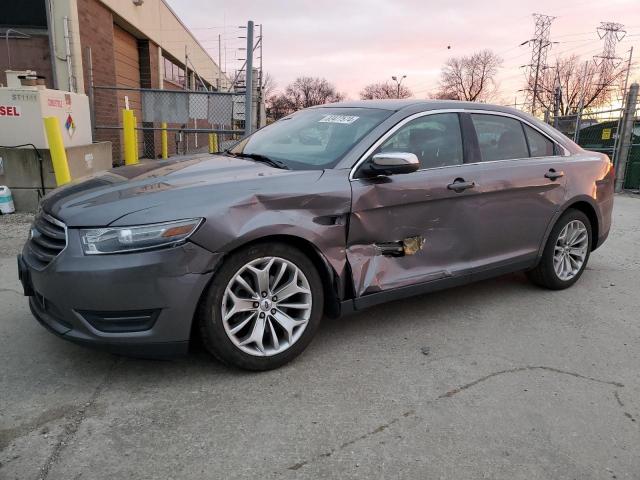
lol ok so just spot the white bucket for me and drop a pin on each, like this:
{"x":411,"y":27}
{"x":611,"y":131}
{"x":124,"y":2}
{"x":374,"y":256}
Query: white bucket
{"x":6,"y":200}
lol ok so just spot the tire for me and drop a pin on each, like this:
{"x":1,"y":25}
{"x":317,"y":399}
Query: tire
{"x":240,"y":329}
{"x":545,"y":274}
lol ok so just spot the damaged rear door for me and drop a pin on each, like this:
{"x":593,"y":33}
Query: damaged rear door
{"x":417,"y":227}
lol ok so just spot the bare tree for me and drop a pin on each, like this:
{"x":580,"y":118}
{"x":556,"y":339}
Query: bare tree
{"x":304,"y":92}
{"x":307,"y":92}
{"x":580,"y":82}
{"x":278,"y":106}
{"x":381,"y":90}
{"x":268,"y":85}
{"x":470,"y":78}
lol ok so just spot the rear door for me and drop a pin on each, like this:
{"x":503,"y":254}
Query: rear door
{"x":522,"y":186}
{"x":417,"y":227}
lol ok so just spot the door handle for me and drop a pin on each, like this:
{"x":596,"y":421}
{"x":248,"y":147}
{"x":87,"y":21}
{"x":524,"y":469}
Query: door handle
{"x":553,"y":175}
{"x":459,"y":185}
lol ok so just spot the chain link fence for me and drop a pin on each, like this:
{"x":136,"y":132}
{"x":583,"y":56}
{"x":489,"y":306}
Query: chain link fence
{"x":188,"y":117}
{"x":599,"y":131}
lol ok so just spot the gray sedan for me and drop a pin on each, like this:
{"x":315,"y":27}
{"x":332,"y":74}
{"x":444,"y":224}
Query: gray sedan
{"x":329,"y":210}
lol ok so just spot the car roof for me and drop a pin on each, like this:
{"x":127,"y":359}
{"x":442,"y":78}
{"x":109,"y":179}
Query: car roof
{"x":412,"y":103}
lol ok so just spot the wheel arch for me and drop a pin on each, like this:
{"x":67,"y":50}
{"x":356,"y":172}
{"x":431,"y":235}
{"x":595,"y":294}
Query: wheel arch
{"x":331,"y":282}
{"x":584,"y":204}
{"x":589,"y":210}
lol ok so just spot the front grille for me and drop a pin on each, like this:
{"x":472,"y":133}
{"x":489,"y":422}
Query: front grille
{"x":47,"y":239}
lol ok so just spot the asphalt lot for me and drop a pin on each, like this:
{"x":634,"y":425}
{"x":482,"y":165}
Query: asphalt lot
{"x":496,"y":380}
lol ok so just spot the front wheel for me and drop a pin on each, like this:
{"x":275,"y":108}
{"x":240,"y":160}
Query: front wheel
{"x":566,"y":253}
{"x":262,"y":308}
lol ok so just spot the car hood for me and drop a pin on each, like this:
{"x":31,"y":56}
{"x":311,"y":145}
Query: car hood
{"x":165,"y":190}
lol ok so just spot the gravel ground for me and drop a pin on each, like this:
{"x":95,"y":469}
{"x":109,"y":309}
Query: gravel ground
{"x":14,"y":229}
{"x":498,"y":380}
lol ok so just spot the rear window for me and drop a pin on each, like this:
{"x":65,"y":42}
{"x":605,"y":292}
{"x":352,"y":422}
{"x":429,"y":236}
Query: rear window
{"x":539,"y":145}
{"x":499,"y":138}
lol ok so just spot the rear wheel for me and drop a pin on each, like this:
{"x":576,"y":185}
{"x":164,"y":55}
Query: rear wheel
{"x":566,"y":253}
{"x":263,"y":307}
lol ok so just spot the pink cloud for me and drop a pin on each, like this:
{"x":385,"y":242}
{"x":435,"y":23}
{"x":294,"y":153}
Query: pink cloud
{"x":352,"y":43}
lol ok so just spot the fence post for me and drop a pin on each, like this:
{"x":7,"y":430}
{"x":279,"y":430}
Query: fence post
{"x":163,"y":141}
{"x":135,"y":136}
{"x":129,"y":136}
{"x":92,"y":93}
{"x":556,"y":106}
{"x":625,"y":136}
{"x":58,"y":154}
{"x":576,"y":133}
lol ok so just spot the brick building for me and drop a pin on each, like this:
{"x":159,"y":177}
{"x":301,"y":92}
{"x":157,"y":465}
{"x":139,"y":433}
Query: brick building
{"x":123,"y":43}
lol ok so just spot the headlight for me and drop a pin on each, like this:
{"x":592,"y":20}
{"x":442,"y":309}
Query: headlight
{"x":144,"y":237}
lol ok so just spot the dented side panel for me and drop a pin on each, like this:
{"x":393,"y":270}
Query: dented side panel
{"x":430,"y":226}
{"x":314,"y":210}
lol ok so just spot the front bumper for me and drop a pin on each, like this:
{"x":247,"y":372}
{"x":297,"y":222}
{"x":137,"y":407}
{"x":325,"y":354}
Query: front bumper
{"x":140,"y":304}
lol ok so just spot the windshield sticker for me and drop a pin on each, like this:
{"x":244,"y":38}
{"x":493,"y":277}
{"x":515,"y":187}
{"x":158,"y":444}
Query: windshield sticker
{"x":346,"y":119}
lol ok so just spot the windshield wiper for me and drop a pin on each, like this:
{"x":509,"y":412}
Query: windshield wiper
{"x":264,"y":159}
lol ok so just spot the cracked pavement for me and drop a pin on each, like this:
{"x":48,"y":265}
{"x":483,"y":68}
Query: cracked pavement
{"x":498,"y":380}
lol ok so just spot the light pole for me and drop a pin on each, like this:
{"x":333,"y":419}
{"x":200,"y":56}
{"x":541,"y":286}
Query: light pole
{"x":398,"y":83}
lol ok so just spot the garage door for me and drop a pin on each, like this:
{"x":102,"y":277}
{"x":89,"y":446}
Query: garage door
{"x":127,"y":61}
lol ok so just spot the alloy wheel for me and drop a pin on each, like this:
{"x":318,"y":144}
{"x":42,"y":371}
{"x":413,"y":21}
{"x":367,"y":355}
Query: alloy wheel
{"x":570,"y":250}
{"x":266,"y":306}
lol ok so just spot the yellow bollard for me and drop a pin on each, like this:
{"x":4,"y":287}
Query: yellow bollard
{"x":129,"y":136}
{"x":58,"y":153}
{"x":163,"y":141}
{"x":135,"y":135}
{"x":213,"y":143}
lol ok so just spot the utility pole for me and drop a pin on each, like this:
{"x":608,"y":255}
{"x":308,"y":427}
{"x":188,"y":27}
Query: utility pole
{"x":248,"y":94}
{"x":539,"y":46}
{"x":260,"y":86}
{"x":398,"y":83}
{"x":625,"y":137}
{"x":219,"y":61}
{"x":623,"y":100}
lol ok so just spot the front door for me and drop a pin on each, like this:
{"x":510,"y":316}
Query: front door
{"x":418,"y":227}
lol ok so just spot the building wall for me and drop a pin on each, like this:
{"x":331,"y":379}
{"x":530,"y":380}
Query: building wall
{"x":27,"y":54}
{"x":127,"y":60}
{"x":149,"y":55}
{"x":156,"y":21}
{"x":60,"y":10}
{"x":96,"y":32}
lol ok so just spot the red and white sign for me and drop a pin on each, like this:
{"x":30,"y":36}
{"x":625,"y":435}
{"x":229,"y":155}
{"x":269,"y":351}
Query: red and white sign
{"x":9,"y":111}
{"x":55,"y":102}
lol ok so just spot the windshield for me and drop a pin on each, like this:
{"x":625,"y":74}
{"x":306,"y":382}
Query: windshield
{"x":311,"y":139}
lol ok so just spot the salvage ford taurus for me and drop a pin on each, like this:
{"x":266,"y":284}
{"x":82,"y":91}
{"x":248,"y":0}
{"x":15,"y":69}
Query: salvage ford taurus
{"x":329,"y":210}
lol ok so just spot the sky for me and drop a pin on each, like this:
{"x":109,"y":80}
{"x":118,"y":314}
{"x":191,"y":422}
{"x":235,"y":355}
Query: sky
{"x":355,"y":42}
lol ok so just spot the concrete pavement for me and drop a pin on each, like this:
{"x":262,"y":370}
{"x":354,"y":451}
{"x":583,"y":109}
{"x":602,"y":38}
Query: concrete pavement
{"x":498,"y":380}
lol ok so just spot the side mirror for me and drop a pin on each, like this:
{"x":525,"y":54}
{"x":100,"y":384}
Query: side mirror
{"x":392,"y":163}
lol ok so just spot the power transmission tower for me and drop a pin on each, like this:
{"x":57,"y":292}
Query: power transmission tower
{"x":540,"y":43}
{"x":611,"y":33}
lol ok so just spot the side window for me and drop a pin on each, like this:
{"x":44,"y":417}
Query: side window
{"x":539,"y":145}
{"x":500,"y":138}
{"x":435,"y":139}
